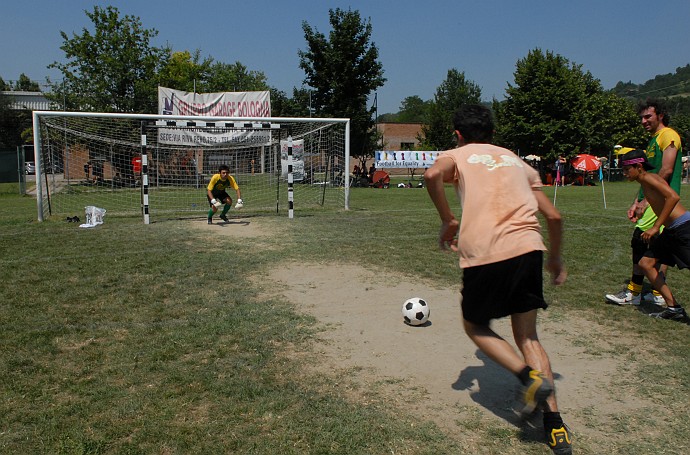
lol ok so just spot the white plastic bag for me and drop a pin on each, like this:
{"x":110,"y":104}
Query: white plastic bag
{"x":94,"y":216}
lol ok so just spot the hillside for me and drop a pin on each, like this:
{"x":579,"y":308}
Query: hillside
{"x":663,"y":86}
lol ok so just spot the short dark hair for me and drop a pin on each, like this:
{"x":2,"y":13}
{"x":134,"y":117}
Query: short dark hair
{"x":223,"y":167}
{"x":475,"y":123}
{"x":659,"y":107}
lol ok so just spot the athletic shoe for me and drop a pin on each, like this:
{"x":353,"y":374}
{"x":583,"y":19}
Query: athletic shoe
{"x":210,"y":221}
{"x":625,"y":297}
{"x":654,"y":299}
{"x":558,"y":440}
{"x":224,"y":218}
{"x":536,"y":392}
{"x":672,"y":314}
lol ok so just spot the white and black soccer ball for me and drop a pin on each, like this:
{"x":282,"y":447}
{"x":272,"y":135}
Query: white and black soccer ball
{"x":415,"y":311}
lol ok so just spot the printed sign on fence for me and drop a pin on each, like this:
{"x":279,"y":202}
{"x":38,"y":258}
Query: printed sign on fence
{"x":409,"y":159}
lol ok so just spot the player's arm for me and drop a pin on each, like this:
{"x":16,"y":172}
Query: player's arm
{"x":442,"y":171}
{"x":554,"y":224}
{"x":668,"y":162}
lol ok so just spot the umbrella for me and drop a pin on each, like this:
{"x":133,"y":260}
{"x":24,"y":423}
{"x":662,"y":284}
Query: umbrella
{"x":589,"y":163}
{"x":586,"y":163}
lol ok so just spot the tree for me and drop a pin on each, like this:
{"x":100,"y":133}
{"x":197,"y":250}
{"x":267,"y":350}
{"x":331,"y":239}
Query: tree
{"x":184,"y":70}
{"x":297,"y":106}
{"x":112,"y":69}
{"x":224,"y":77}
{"x":454,"y":90}
{"x":344,"y":70}
{"x":554,"y":108}
{"x":24,"y":84}
{"x":413,"y":110}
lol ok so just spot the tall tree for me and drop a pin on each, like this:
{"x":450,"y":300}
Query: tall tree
{"x":555,"y":108}
{"x":113,"y":68}
{"x":455,"y":90}
{"x":344,"y":70}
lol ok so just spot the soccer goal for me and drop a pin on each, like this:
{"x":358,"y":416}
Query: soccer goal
{"x":159,"y":165}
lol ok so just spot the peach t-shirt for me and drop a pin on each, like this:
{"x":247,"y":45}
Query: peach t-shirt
{"x":499,"y":209}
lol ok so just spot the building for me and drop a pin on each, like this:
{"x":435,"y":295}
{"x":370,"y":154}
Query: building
{"x":32,"y":101}
{"x":400,"y":136}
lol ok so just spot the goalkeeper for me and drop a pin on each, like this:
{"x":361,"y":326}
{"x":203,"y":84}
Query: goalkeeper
{"x":217,"y":196}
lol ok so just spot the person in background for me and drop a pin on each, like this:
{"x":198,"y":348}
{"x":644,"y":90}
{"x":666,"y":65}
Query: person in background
{"x":664,"y":153}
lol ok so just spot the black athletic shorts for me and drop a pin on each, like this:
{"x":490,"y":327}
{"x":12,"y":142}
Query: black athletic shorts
{"x":220,"y":195}
{"x":503,"y":288}
{"x":672,"y":246}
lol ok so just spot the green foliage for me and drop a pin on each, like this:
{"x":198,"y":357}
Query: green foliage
{"x":554,"y":108}
{"x":663,"y":85}
{"x":25,"y":84}
{"x":454,"y":90}
{"x":112,"y":69}
{"x":284,"y":106}
{"x":413,"y":109}
{"x":344,"y":70}
{"x":183,"y":70}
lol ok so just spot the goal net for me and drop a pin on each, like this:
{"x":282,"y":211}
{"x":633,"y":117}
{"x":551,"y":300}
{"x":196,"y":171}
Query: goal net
{"x":159,"y":165}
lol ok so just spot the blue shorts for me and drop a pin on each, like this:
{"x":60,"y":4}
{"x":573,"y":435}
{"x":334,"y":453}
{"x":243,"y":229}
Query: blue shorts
{"x":503,"y":288}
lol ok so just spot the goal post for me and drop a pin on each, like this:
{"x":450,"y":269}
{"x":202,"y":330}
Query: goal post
{"x":159,"y":165}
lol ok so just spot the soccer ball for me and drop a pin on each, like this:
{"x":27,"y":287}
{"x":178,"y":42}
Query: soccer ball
{"x":415,"y":311}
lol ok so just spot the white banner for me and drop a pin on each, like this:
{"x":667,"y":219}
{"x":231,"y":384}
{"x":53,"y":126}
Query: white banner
{"x":222,"y":104}
{"x":297,"y":159}
{"x":409,"y":159}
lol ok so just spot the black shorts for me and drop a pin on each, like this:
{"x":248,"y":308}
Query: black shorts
{"x":503,"y":288}
{"x":639,"y":246}
{"x":672,"y":246}
{"x":220,"y":195}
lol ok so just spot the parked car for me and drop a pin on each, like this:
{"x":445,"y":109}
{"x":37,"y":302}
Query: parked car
{"x":30,"y":167}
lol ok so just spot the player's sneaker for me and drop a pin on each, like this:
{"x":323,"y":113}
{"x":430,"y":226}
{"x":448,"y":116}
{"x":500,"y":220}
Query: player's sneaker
{"x":224,"y":218}
{"x":558,"y":440}
{"x":536,"y":392}
{"x":654,"y":299}
{"x":625,"y":297}
{"x":672,"y":314}
{"x":210,"y":221}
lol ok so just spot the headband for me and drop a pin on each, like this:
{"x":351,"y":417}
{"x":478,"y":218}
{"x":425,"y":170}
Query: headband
{"x":634,"y":161}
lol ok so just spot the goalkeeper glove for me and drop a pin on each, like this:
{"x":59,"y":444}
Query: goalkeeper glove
{"x":216,"y":202}
{"x":239,"y":204}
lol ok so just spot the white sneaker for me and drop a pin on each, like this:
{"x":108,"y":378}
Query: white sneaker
{"x":654,"y":299}
{"x":625,"y":297}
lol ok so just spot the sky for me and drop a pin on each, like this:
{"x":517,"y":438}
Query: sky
{"x":418,"y":41}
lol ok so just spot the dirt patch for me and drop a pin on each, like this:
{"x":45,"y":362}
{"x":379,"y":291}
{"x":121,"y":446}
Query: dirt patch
{"x":435,"y":371}
{"x":236,"y":227}
{"x":366,"y":339}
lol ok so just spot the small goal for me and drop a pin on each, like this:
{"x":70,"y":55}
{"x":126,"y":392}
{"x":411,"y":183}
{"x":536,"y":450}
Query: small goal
{"x":159,"y":165}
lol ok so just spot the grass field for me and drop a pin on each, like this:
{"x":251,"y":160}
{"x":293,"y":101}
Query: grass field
{"x":138,"y":339}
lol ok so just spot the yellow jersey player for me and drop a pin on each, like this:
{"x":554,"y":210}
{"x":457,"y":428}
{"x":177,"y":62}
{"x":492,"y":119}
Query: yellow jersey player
{"x":217,"y":195}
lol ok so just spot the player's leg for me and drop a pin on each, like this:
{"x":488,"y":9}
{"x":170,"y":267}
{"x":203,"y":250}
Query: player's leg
{"x":527,"y":341}
{"x":494,"y":346}
{"x":227,"y":200}
{"x":212,"y":210}
{"x":524,"y":325}
{"x":631,"y":294}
